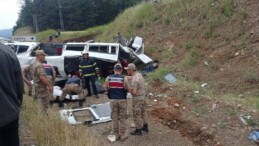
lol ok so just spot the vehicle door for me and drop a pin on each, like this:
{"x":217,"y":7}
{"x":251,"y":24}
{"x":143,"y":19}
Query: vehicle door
{"x":106,"y":52}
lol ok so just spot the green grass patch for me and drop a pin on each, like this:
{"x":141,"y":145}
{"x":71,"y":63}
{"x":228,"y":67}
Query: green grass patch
{"x":200,"y":110}
{"x":228,"y":8}
{"x":187,"y":82}
{"x":187,"y":45}
{"x":44,"y":35}
{"x":65,"y":35}
{"x":251,"y":122}
{"x":212,"y":24}
{"x":24,"y":31}
{"x":168,"y":53}
{"x":167,"y":20}
{"x":196,"y":99}
{"x":157,"y":75}
{"x":231,"y":112}
{"x":250,"y":75}
{"x":222,"y":125}
{"x":192,"y":44}
{"x":242,"y":14}
{"x":248,"y":101}
{"x":257,"y":104}
{"x":214,"y":65}
{"x":191,"y":58}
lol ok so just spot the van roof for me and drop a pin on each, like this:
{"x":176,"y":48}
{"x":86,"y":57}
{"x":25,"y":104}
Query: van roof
{"x":85,"y":43}
{"x":22,"y":43}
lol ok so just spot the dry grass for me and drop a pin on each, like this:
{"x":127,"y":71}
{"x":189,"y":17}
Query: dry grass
{"x":50,"y":130}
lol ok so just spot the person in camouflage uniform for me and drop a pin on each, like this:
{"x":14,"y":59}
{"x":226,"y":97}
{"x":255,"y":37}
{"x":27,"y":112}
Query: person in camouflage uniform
{"x":51,"y":76}
{"x":116,"y":86}
{"x":72,"y":85}
{"x":27,"y":78}
{"x":139,"y":104}
{"x":41,"y":84}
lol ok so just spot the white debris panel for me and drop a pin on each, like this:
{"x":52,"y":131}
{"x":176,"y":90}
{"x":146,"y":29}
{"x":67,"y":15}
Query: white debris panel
{"x":100,"y":113}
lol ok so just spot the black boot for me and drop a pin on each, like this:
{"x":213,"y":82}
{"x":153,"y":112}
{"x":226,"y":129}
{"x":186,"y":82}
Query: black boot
{"x":136,"y":132}
{"x":29,"y":93}
{"x":60,"y":103}
{"x":51,"y":103}
{"x":80,"y":103}
{"x":89,"y":93}
{"x":145,"y":128}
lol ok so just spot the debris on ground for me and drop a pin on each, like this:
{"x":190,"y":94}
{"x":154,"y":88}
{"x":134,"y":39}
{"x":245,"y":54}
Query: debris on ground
{"x":170,"y":78}
{"x":204,"y":84}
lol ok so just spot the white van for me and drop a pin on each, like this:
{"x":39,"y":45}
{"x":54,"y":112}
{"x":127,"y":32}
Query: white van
{"x":66,"y":56}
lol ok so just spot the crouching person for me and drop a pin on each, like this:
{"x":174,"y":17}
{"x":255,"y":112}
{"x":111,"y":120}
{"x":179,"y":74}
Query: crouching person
{"x":116,"y":86}
{"x":72,"y":85}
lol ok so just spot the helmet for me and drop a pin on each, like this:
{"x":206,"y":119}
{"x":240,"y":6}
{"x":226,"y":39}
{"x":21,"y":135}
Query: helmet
{"x":85,"y":52}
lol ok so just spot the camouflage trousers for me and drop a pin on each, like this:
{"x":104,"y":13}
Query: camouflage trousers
{"x":72,"y":88}
{"x":33,"y":92}
{"x":139,"y":106}
{"x":29,"y":87}
{"x":42,"y":94}
{"x":119,"y":115}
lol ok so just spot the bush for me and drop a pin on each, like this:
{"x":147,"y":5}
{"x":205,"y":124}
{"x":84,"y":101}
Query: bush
{"x":228,"y":8}
{"x":158,"y":74}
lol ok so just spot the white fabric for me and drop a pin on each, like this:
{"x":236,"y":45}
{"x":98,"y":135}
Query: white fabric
{"x":57,"y":92}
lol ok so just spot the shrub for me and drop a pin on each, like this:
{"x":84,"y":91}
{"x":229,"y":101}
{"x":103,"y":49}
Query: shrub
{"x":191,"y":58}
{"x":228,"y":8}
{"x":157,"y":75}
{"x":250,"y":75}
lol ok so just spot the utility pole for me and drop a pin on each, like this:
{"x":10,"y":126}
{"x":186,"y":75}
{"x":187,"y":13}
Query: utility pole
{"x":35,"y":22}
{"x":60,"y":16}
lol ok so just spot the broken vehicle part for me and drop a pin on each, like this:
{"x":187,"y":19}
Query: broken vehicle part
{"x":100,"y":112}
{"x":170,"y":78}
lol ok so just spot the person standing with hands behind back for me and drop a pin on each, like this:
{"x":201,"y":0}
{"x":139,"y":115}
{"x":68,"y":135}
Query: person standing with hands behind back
{"x":11,"y":91}
{"x":139,"y":103}
{"x":89,"y":69}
